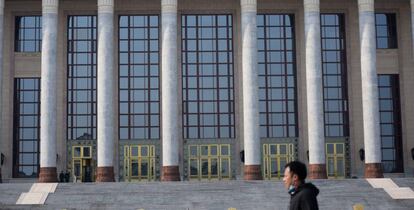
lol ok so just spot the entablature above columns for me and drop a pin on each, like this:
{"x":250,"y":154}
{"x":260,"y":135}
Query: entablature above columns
{"x":50,"y":6}
{"x":311,"y":5}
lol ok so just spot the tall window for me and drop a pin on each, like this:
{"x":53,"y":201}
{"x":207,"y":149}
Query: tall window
{"x":28,"y":34}
{"x":26,"y":127}
{"x":335,"y":93}
{"x":386,"y":30}
{"x":207,"y":68}
{"x":277,"y":76}
{"x":139,"y":89}
{"x":390,"y":122}
{"x":81,"y":77}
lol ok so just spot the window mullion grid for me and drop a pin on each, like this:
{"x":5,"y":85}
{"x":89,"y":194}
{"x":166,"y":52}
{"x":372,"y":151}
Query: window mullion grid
{"x":147,"y":116}
{"x":198,"y":77}
{"x":217,"y":76}
{"x":266,"y":76}
{"x":130,"y":79}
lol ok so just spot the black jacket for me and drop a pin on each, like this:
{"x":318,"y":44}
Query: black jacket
{"x":304,"y":198}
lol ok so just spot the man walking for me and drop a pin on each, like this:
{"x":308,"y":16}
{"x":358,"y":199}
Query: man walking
{"x":303,"y":195}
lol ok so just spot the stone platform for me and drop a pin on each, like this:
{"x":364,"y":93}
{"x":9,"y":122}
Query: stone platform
{"x":223,"y":195}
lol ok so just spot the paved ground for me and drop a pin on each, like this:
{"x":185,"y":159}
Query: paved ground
{"x":257,"y":195}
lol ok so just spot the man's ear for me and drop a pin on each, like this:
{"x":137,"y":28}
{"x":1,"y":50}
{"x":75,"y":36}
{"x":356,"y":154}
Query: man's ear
{"x":295,"y":177}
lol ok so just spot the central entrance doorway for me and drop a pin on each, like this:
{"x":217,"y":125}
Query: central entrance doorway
{"x":139,"y":162}
{"x":209,"y":162}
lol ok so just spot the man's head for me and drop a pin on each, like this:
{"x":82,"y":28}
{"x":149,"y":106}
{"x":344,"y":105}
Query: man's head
{"x":295,"y":174}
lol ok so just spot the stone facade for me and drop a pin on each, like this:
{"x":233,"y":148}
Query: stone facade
{"x":389,"y":61}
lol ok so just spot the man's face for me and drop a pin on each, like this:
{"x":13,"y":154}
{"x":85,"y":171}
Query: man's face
{"x":287,"y":178}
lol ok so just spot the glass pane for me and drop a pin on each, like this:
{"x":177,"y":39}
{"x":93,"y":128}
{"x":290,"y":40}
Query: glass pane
{"x":134,"y":168}
{"x":214,"y":167}
{"x":193,"y":167}
{"x":86,"y":152}
{"x":134,"y":151}
{"x":204,"y":167}
{"x":225,"y":163}
{"x":341,"y":165}
{"x":77,"y":152}
{"x":144,"y":168}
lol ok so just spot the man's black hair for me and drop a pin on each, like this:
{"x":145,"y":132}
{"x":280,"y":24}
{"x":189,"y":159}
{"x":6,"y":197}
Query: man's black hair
{"x":298,"y":168}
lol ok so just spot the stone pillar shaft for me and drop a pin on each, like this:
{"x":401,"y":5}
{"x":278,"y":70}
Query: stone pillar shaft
{"x":314,"y":91}
{"x":105,"y":89}
{"x":1,"y":63}
{"x":48,"y":94}
{"x":251,"y":129}
{"x":169,"y":90}
{"x":369,"y":78}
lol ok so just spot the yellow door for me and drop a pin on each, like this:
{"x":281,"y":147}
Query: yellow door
{"x":335,"y":160}
{"x":210,"y":161}
{"x":139,"y":162}
{"x":82,"y":167}
{"x":275,"y":157}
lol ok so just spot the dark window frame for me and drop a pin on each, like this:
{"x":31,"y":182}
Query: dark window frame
{"x":341,"y":85}
{"x":391,"y":28}
{"x":228,"y":125}
{"x":152,"y":117}
{"x":287,"y":125}
{"x":91,"y":78}
{"x":20,"y":30}
{"x":19,"y":89}
{"x":394,"y":89}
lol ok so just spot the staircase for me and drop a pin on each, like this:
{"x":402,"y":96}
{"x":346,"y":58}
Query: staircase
{"x":223,"y":195}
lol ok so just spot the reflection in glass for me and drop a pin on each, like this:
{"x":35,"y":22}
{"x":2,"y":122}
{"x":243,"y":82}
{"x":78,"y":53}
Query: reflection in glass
{"x":28,"y":37}
{"x":277,"y":75}
{"x":139,"y":100}
{"x":81,"y":78}
{"x":334,"y":75}
{"x":207,"y":65}
{"x":386,"y":30}
{"x":26,"y":127}
{"x":390,"y":123}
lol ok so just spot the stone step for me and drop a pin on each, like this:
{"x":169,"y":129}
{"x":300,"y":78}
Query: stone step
{"x":334,"y":194}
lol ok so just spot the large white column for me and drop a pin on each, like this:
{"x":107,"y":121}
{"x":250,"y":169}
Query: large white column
{"x":251,"y":127}
{"x":105,"y":88}
{"x":370,"y":106}
{"x":314,"y":91}
{"x":412,"y":26}
{"x":1,"y":66}
{"x":169,"y":90}
{"x":48,"y":94}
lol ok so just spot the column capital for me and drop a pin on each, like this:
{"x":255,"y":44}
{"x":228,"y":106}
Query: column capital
{"x":105,"y":6}
{"x":50,"y":6}
{"x":248,"y":5}
{"x":311,"y":5}
{"x":169,"y":6}
{"x":366,"y":5}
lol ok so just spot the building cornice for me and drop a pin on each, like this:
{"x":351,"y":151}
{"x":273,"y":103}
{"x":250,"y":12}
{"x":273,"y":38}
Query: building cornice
{"x":311,"y":5}
{"x":105,"y":6}
{"x":248,"y":5}
{"x":169,"y":6}
{"x":366,"y":5}
{"x":50,"y":6}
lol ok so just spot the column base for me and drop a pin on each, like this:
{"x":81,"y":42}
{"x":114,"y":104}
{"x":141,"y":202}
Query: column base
{"x":252,"y":172}
{"x":373,"y":170}
{"x":105,"y":174}
{"x":317,"y":171}
{"x":47,"y":175}
{"x":170,"y":173}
